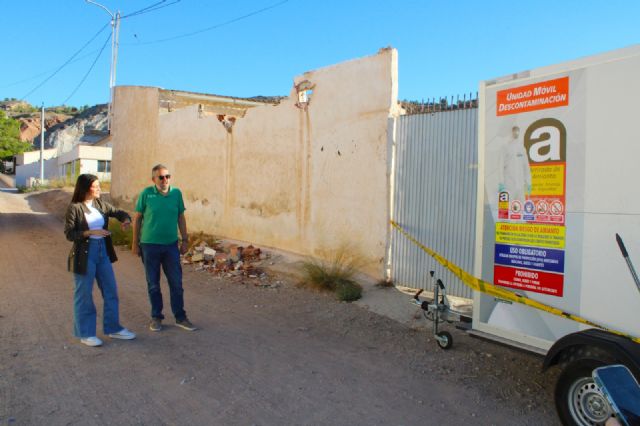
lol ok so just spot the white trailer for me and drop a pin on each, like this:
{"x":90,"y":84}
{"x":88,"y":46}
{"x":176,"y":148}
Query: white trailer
{"x":558,"y":177}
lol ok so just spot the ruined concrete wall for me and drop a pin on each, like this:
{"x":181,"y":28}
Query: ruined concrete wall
{"x":305,"y":179}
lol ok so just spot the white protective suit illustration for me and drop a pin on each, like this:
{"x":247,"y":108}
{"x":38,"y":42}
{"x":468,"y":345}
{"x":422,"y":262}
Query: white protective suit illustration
{"x":513,"y":169}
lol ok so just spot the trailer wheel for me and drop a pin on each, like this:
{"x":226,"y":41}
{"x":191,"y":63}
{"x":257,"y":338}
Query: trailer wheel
{"x":578,"y":399}
{"x":447,"y":340}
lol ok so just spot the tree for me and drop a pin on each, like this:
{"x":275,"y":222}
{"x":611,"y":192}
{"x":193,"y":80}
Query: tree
{"x":10,"y":143}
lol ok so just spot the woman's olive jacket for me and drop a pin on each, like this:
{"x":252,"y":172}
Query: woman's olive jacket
{"x":75,"y":224}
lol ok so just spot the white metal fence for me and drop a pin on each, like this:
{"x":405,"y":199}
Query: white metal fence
{"x":434,"y":195}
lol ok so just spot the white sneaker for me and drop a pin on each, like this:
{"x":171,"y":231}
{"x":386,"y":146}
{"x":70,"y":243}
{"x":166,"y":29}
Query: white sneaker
{"x":123,"y":334}
{"x":91,"y":341}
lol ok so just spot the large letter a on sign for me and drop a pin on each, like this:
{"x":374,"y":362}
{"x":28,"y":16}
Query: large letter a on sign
{"x":545,"y":141}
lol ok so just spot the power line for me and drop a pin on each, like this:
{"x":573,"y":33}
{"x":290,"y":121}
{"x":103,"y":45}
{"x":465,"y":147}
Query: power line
{"x":150,"y":8}
{"x":144,"y":9}
{"x":45,"y":72}
{"x":66,"y":63}
{"x":88,"y":71}
{"x":256,"y":12}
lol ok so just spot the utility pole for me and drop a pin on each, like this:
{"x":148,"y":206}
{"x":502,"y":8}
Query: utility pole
{"x":42,"y":146}
{"x":115,"y":30}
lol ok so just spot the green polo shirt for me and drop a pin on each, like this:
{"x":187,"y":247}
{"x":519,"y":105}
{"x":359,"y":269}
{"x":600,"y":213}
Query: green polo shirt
{"x":160,"y":215}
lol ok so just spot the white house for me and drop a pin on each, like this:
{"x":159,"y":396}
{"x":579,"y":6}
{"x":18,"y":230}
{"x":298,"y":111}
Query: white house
{"x":82,"y":158}
{"x":28,"y":165}
{"x":86,"y":159}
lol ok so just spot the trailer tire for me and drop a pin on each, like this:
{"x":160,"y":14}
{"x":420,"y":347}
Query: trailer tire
{"x":578,"y":399}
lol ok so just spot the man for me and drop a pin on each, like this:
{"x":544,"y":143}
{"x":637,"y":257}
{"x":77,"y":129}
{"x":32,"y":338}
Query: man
{"x":159,"y":215}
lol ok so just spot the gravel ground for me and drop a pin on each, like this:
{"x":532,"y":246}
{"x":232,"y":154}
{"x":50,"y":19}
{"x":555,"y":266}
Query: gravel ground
{"x":264,"y":355}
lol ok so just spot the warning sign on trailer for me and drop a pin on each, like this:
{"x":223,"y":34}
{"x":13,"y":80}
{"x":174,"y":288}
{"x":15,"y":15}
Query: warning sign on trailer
{"x":527,"y":136}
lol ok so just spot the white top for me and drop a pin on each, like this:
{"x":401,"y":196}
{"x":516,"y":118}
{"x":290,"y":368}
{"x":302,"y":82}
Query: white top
{"x":94,"y":219}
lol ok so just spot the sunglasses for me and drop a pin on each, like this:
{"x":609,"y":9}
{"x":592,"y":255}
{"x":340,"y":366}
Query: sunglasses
{"x":163,"y":177}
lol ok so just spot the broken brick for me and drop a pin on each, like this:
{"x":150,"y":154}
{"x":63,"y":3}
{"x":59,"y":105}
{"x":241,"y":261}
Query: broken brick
{"x":235,"y":252}
{"x":251,"y":252}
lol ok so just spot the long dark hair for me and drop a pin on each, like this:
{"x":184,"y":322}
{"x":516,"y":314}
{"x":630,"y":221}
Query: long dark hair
{"x":83,"y":184}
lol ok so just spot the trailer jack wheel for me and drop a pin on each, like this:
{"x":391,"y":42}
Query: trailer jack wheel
{"x":444,"y":339}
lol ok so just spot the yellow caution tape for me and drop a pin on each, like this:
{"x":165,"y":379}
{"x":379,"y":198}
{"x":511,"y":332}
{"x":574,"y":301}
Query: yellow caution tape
{"x":501,"y":293}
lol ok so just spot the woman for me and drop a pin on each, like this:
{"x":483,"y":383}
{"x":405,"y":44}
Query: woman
{"x":90,"y":259}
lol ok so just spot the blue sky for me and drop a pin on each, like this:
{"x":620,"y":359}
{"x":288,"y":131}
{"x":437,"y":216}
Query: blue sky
{"x":445,"y":47}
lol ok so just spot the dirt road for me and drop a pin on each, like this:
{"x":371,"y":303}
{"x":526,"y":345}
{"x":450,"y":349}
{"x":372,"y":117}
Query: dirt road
{"x":281,"y":356}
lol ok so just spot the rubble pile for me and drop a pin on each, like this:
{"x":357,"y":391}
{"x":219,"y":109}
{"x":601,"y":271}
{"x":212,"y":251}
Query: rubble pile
{"x":227,"y":260}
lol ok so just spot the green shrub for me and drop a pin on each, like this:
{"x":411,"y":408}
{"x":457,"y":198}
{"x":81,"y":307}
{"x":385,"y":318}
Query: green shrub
{"x":23,"y":189}
{"x":348,"y":291}
{"x":335,"y":274}
{"x":326,"y":274}
{"x":10,"y":143}
{"x":318,"y":275}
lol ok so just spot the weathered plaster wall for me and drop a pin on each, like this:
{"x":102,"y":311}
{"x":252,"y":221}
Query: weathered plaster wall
{"x":134,"y":131}
{"x":306,"y":180}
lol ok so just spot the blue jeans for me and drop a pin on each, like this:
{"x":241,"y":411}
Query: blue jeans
{"x":166,"y":256}
{"x":84,"y":311}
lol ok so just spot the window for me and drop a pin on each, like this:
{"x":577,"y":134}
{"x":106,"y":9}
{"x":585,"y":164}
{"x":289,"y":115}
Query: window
{"x":104,"y":166}
{"x":305,"y":90}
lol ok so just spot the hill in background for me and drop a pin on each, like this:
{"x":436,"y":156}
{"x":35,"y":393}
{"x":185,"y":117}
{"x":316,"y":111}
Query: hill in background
{"x":65,"y":126}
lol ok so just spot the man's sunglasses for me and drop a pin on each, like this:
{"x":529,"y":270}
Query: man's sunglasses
{"x":163,"y":177}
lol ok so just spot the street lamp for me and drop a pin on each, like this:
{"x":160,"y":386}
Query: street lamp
{"x":115,"y":28}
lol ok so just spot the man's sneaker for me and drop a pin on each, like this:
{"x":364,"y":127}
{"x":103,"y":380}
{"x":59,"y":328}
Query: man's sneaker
{"x":91,"y":341}
{"x":186,"y":324}
{"x":123,"y":334}
{"x":155,"y":324}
